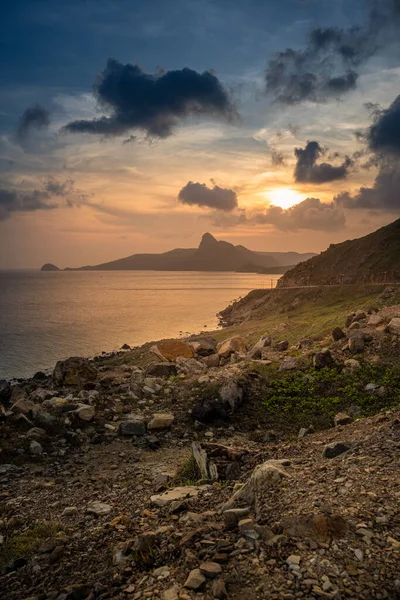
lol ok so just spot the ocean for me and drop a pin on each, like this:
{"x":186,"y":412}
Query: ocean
{"x":46,"y":316}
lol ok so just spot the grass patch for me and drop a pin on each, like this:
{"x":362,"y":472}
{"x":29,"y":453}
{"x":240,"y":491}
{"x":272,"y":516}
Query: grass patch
{"x":188,"y":473}
{"x":24,"y":543}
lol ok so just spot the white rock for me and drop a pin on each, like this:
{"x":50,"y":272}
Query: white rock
{"x":98,"y":508}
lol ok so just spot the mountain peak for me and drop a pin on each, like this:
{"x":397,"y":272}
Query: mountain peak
{"x":207,"y":240}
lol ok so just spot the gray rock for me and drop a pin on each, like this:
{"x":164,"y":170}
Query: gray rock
{"x":351,"y":365}
{"x":342,"y":419}
{"x":74,"y":371}
{"x":98,"y":508}
{"x":163,"y":369}
{"x":394,"y":326}
{"x":195,"y":580}
{"x":133,"y":426}
{"x":35,"y":448}
{"x":281,"y":346}
{"x":357,"y":343}
{"x":204,"y":346}
{"x":336,"y":449}
{"x":323,"y":359}
{"x":289,"y":363}
{"x":211,"y":569}
{"x":85,"y":412}
{"x":338,"y":334}
{"x":232,"y":516}
{"x":160,"y":422}
{"x":231,"y":394}
{"x":212,"y":360}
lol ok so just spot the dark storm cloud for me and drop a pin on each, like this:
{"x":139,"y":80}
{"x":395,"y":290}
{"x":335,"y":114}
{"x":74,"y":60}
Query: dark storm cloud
{"x":14,"y":200}
{"x":307,"y":171}
{"x":201,"y":195}
{"x":384,"y":134}
{"x":152,"y":103}
{"x":383,"y":195}
{"x":309,"y":214}
{"x":34,"y":117}
{"x":326,"y":66}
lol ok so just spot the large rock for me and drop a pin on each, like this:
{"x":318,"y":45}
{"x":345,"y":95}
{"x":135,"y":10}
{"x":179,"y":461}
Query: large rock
{"x":57,"y":404}
{"x":338,"y":334}
{"x":336,"y":449}
{"x":228,"y":347}
{"x":190,"y":366}
{"x":74,"y":371}
{"x":133,"y":426}
{"x":323,"y":359}
{"x":176,"y":494}
{"x":342,"y":419}
{"x":351,"y":365}
{"x":194,"y":580}
{"x":85,"y":412}
{"x":394,"y":326}
{"x":204,"y":346}
{"x":170,"y":350}
{"x":212,"y":360}
{"x":160,"y":421}
{"x":231,"y":394}
{"x":357,"y":342}
{"x":281,"y":346}
{"x":24,"y":407}
{"x":376,"y":320}
{"x":289,"y":363}
{"x":162,"y":369}
{"x":98,"y":508}
{"x":264,"y":477}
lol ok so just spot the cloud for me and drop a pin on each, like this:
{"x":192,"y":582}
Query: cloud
{"x":15,"y":200}
{"x":383,"y":136}
{"x":201,"y":195}
{"x":307,"y":171}
{"x":34,"y":117}
{"x":152,"y":103}
{"x":326,"y":66}
{"x":383,"y":195}
{"x":277,"y":158}
{"x":309,"y":214}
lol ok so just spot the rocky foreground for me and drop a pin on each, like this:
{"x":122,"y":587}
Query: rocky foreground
{"x":196,"y":470}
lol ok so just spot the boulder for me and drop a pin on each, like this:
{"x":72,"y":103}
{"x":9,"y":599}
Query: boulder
{"x":264,"y":342}
{"x":57,"y":404}
{"x":133,"y":426}
{"x":376,"y":320}
{"x":323,"y":359}
{"x":162,"y":369}
{"x":85,"y":412}
{"x":210,"y":569}
{"x":24,"y":407}
{"x":228,"y":347}
{"x":351,"y":365}
{"x":35,"y":448}
{"x":394,"y":326}
{"x":98,"y":508}
{"x":195,"y":580}
{"x":342,"y":419}
{"x":349,"y":319}
{"x":212,"y":360}
{"x":338,"y":334}
{"x":357,"y":343}
{"x":281,"y":346}
{"x":264,"y":477}
{"x":160,"y":421}
{"x":176,"y":494}
{"x":74,"y":371}
{"x":336,"y":449}
{"x":232,"y":516}
{"x":204,"y":346}
{"x":190,"y":366}
{"x":170,"y":350}
{"x":289,"y":363}
{"x":231,"y":394}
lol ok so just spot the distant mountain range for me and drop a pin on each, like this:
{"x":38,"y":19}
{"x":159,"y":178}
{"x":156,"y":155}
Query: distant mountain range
{"x":211,"y":255}
{"x":373,"y":258}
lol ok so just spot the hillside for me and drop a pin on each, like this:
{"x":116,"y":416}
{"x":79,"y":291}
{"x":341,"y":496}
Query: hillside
{"x":211,"y":255}
{"x":373,"y":258}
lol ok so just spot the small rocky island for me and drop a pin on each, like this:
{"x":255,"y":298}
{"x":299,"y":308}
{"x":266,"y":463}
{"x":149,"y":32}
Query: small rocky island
{"x":50,"y":267}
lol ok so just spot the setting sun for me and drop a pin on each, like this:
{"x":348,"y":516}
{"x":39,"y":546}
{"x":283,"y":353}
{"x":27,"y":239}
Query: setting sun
{"x":284,"y":197}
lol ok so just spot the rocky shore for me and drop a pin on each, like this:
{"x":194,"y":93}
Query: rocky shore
{"x":205,"y":468}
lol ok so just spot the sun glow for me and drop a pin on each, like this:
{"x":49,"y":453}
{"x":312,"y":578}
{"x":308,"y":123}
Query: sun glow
{"x":284,"y":197}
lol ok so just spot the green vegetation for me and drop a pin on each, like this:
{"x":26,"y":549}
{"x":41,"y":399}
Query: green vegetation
{"x":311,"y":397}
{"x":24,"y":543}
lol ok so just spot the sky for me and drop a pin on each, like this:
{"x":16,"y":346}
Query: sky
{"x":130,"y":127}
